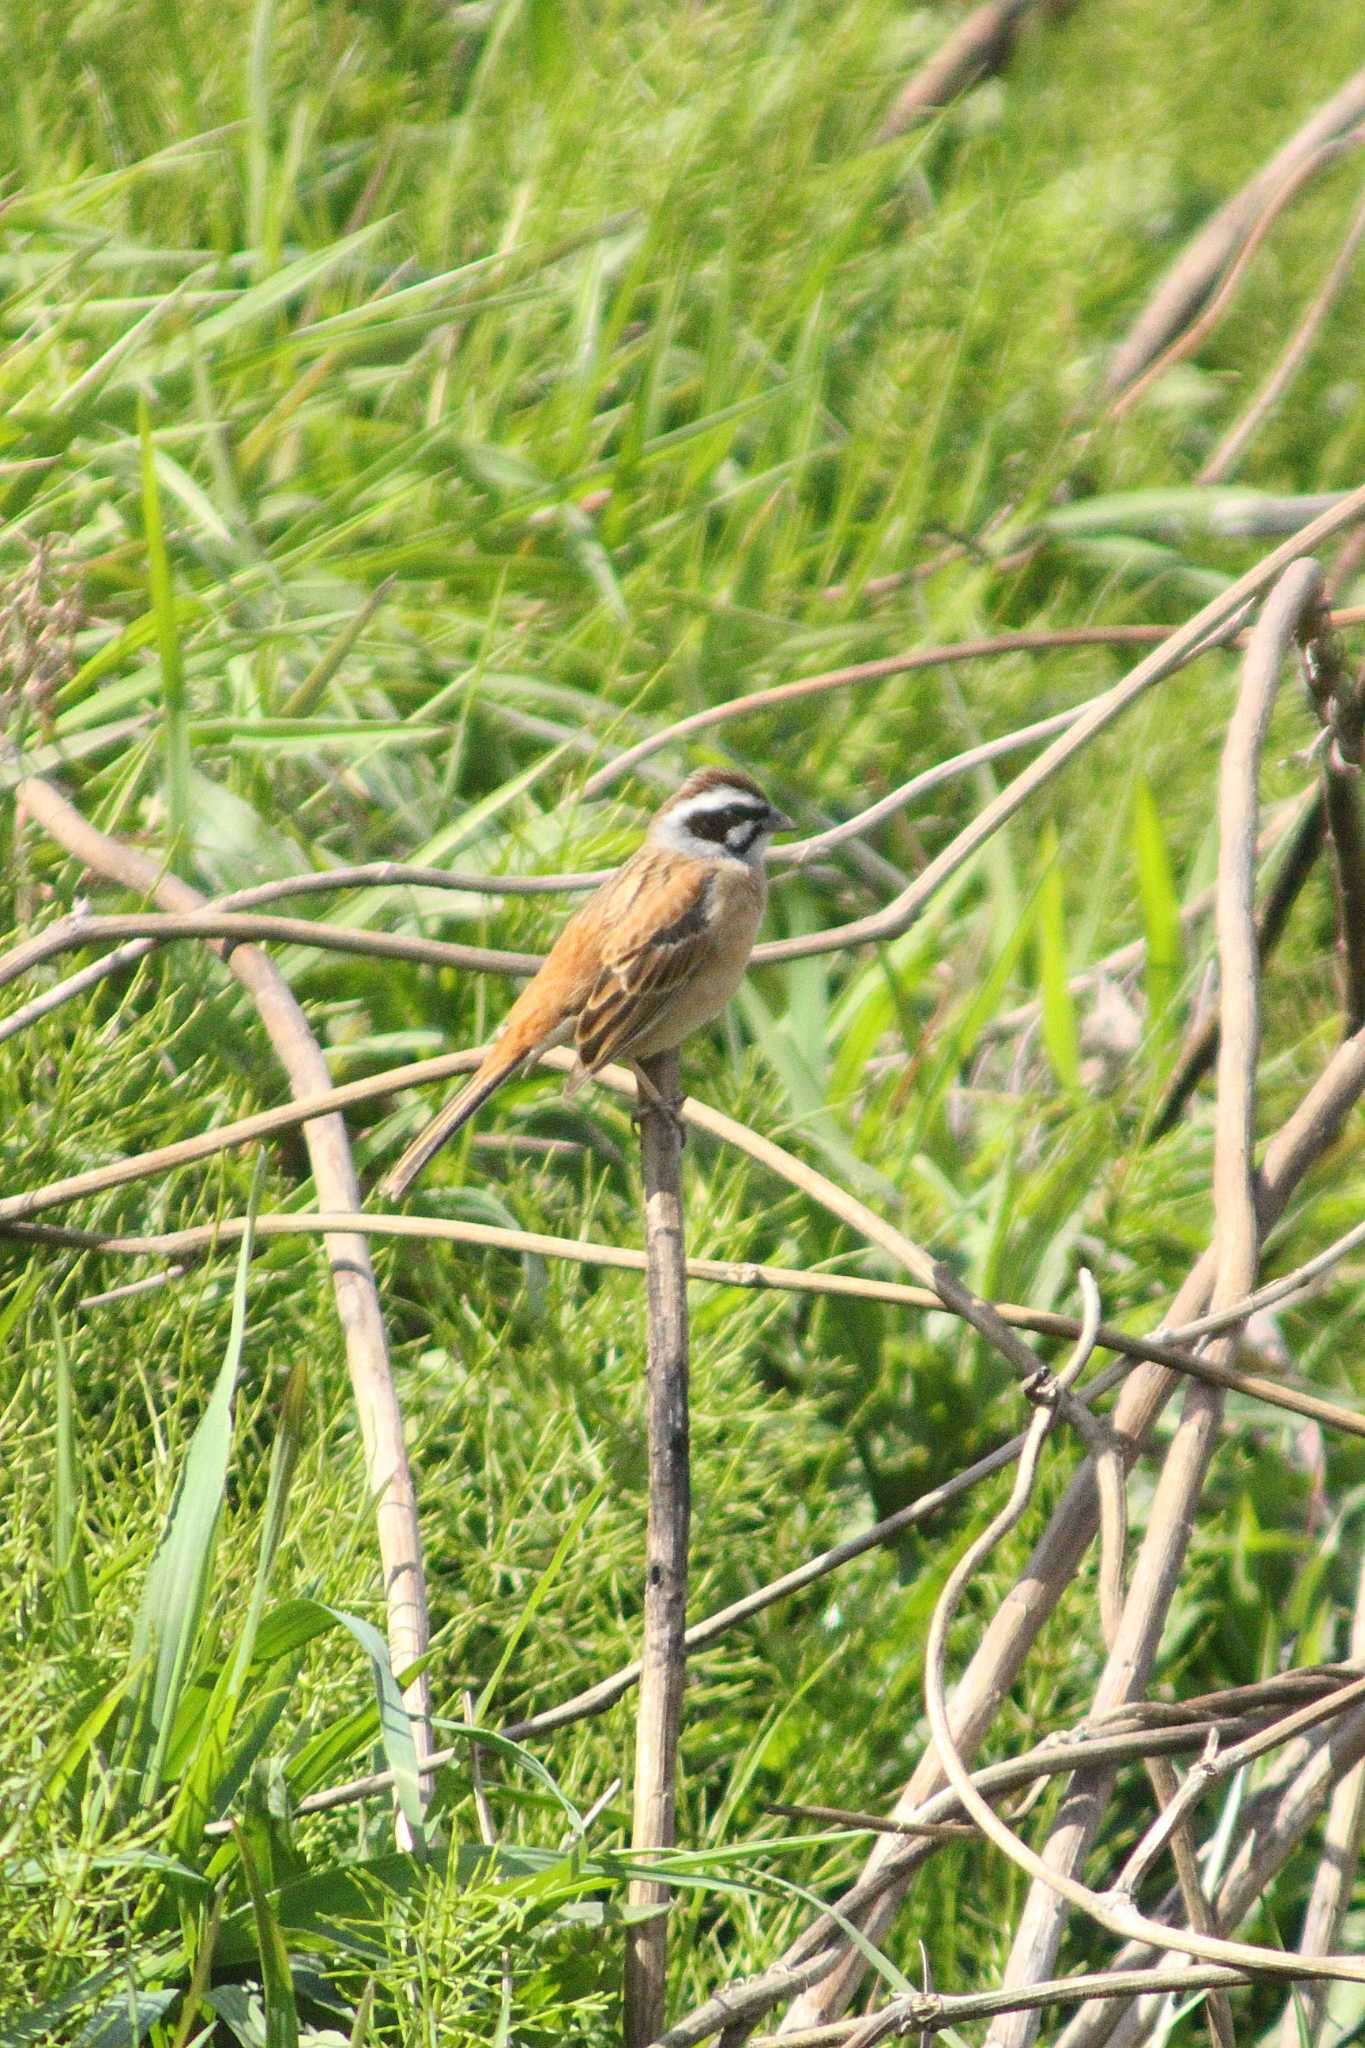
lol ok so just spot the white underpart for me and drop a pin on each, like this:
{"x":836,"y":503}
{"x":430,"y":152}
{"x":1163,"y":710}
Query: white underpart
{"x":673,"y":831}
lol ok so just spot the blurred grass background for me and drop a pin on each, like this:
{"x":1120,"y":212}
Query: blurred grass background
{"x":595,"y":359}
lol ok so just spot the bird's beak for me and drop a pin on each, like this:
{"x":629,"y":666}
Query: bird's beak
{"x":778,"y":821}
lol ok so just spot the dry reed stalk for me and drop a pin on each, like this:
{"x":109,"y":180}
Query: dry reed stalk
{"x":1339,"y":700}
{"x":926,"y":2012}
{"x":1201,"y":1048}
{"x":1033,"y":640}
{"x":663,"y":1660}
{"x":980,"y":44}
{"x":69,"y":934}
{"x":200,"y":1239}
{"x":1188,"y":281}
{"x":388,"y":1475}
{"x":898,"y":915}
{"x":1237,"y":1239}
{"x":1209,"y":316}
{"x":1305,"y":2012}
{"x":1239,"y":436}
{"x":1298,"y":1145}
{"x":1244,"y":1713}
{"x":1273,"y":1825}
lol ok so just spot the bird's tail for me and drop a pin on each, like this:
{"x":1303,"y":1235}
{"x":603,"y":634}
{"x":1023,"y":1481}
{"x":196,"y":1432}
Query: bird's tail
{"x":452,"y":1118}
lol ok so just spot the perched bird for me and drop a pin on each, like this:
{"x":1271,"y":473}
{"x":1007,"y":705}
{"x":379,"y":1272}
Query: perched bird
{"x":657,"y":952}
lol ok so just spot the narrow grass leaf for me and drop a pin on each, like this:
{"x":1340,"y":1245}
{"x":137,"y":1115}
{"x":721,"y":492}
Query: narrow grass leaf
{"x":281,"y":2010}
{"x":1159,"y":904}
{"x":176,"y":1590}
{"x":1061,"y":1036}
{"x":174,"y":699}
{"x":68,"y":1547}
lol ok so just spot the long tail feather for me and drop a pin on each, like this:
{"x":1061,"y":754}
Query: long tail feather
{"x":443,"y":1127}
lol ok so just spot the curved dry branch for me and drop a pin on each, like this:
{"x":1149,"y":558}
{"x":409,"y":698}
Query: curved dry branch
{"x":70,"y":934}
{"x":1192,"y":276}
{"x":388,"y":1475}
{"x":1186,"y":343}
{"x":1237,"y":1241}
{"x":1239,"y":436}
{"x":898,"y":915}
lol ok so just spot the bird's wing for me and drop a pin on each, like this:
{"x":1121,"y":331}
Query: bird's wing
{"x":658,"y":943}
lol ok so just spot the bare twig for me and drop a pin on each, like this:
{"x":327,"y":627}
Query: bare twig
{"x":72,"y":933}
{"x":1020,"y":1616}
{"x":1340,"y":703}
{"x":1235,"y":442}
{"x":926,"y":2012}
{"x":979,"y":44}
{"x":1110,"y":1911}
{"x":1033,"y":641}
{"x":1334,"y":1879}
{"x":200,"y":1238}
{"x":1207,"y":319}
{"x":1272,"y":1826}
{"x":388,"y":1476}
{"x":1201,"y":1050}
{"x":663,"y":1660}
{"x":1237,"y":1238}
{"x":898,"y":915}
{"x":1191,"y":277}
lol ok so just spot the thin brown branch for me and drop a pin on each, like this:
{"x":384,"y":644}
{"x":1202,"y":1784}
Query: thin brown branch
{"x":69,"y":934}
{"x":1272,"y":1826}
{"x":1035,"y":640}
{"x":1306,"y":1135}
{"x":980,"y":44}
{"x":1239,"y":436}
{"x":1188,"y":281}
{"x":1109,"y":1911}
{"x":1201,"y":1049}
{"x":926,"y":2012}
{"x":663,"y":1659}
{"x":1032,"y":641}
{"x":388,"y":1476}
{"x":1212,"y":312}
{"x":1237,"y":1239}
{"x":1334,"y":1880}
{"x":898,"y":915}
{"x":1340,"y":703}
{"x":202,"y":1238}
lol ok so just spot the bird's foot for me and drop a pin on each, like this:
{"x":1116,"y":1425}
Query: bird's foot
{"x":649,"y":1102}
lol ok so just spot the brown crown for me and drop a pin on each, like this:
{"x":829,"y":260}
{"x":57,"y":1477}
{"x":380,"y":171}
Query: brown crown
{"x":714,"y":778}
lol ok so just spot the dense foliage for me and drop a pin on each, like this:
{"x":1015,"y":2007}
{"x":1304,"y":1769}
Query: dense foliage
{"x":593,"y":360}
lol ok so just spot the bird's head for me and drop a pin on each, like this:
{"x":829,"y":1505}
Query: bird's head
{"x":718,"y":814}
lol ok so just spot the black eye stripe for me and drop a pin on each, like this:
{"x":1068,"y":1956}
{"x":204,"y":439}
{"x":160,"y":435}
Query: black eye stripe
{"x":717,"y":824}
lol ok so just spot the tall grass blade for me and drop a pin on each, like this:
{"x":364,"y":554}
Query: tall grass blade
{"x":1159,"y":904}
{"x":281,"y":2010}
{"x":68,"y":1545}
{"x":174,"y":698}
{"x":174,"y":1597}
{"x":1061,"y":1036}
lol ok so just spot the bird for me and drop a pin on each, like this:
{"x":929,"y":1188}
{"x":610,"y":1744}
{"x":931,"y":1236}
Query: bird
{"x":654,"y":954}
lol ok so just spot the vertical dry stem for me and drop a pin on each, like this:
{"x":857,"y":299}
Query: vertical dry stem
{"x":388,"y":1474}
{"x":663,"y":1655}
{"x":1334,"y":1879}
{"x":1237,"y":1238}
{"x":1195,"y":271}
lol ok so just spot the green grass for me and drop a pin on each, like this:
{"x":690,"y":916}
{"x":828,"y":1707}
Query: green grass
{"x":318,"y":325}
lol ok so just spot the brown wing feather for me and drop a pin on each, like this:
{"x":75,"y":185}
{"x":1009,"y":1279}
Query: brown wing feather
{"x":644,"y":964}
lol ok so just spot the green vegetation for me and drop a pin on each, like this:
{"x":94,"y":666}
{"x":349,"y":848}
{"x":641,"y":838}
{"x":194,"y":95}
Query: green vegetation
{"x":410,"y":404}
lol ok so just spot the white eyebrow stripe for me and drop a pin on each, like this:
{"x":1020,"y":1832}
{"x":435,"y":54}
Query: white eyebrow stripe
{"x":722,"y":798}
